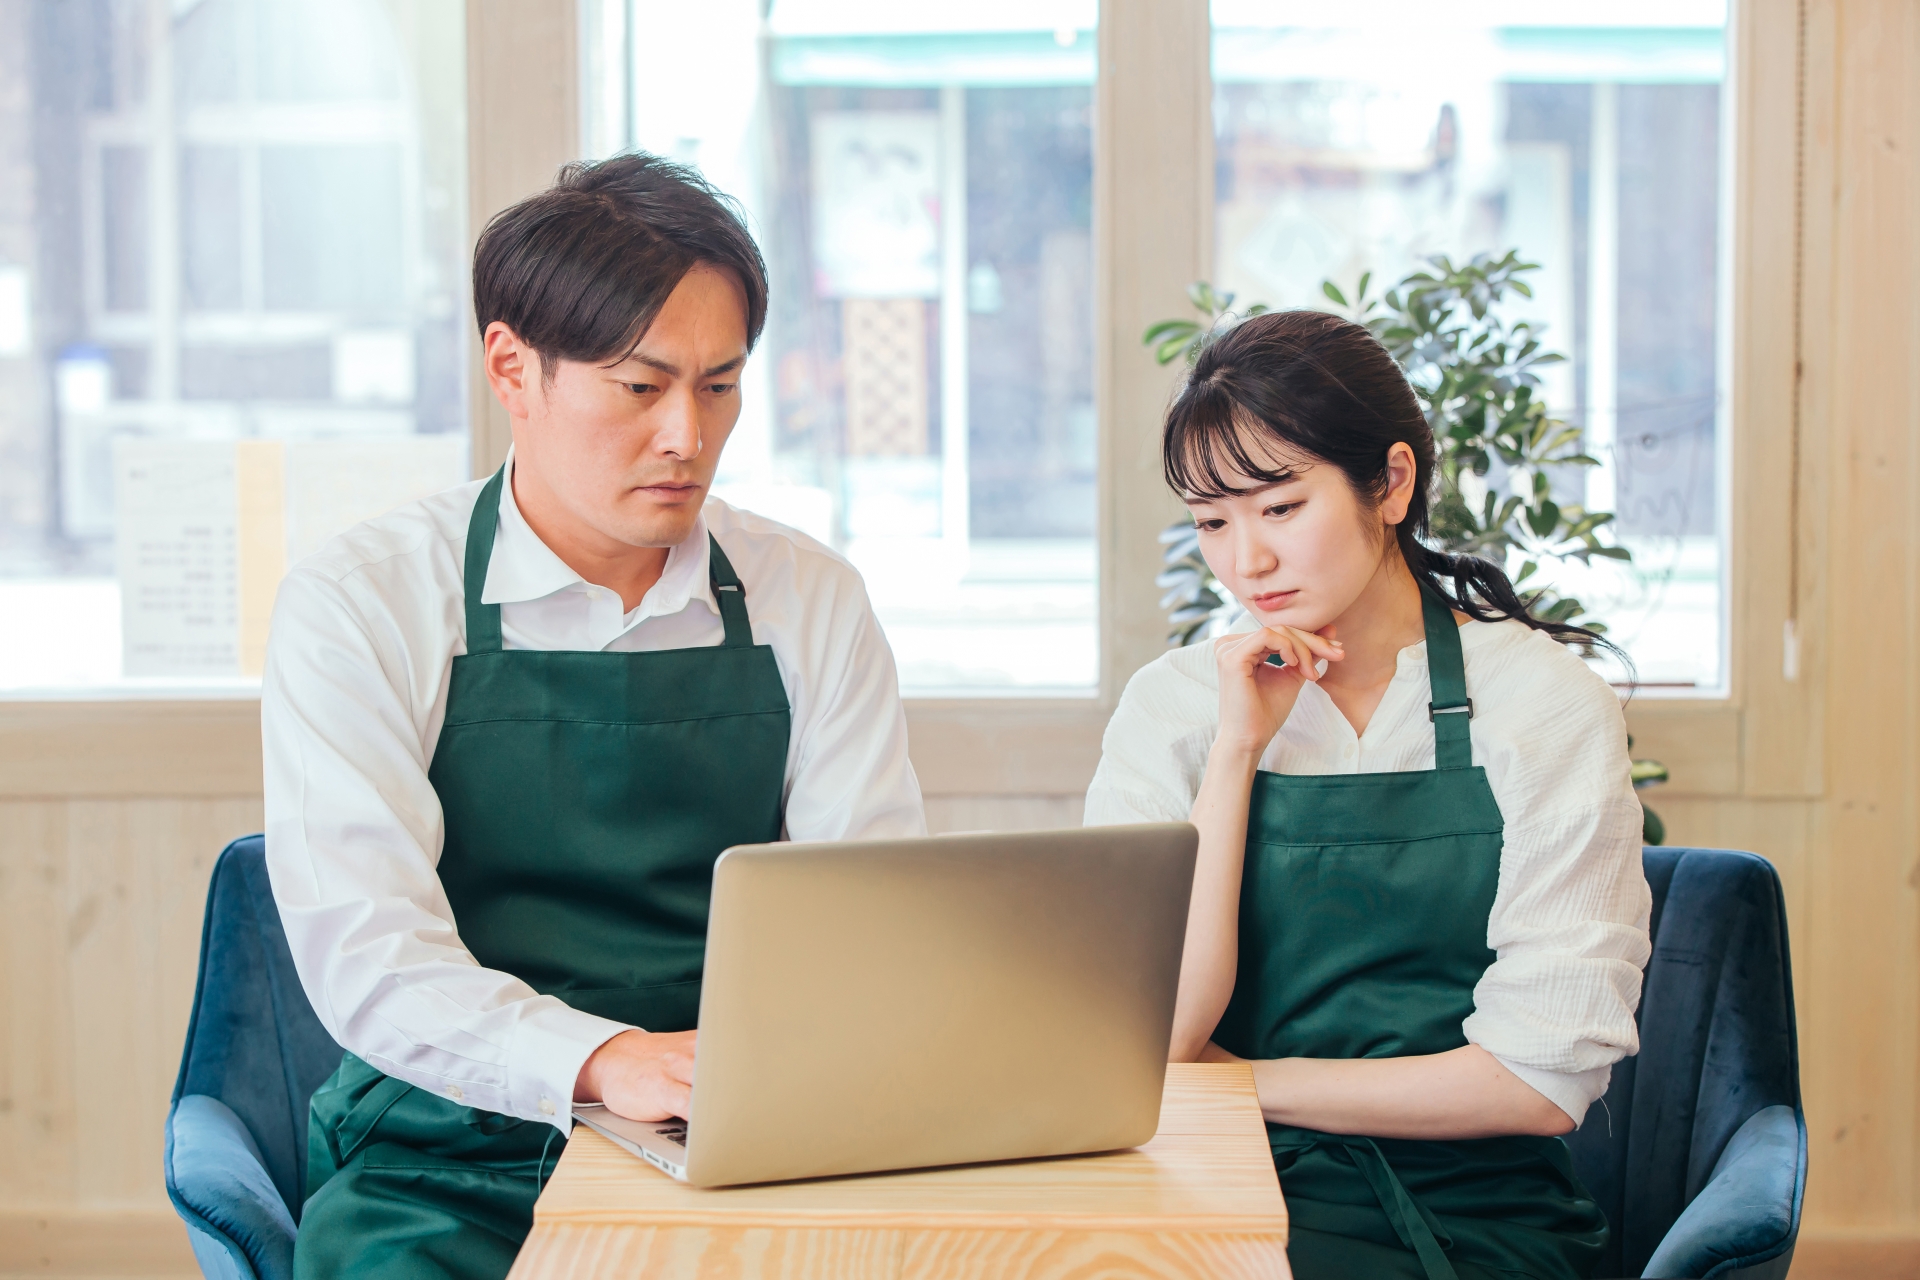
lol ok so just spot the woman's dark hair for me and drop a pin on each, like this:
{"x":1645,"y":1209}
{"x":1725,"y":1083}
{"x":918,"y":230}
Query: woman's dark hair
{"x":579,"y":271}
{"x":1323,"y":389}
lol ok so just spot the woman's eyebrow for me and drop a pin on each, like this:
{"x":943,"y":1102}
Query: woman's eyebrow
{"x":1285,"y":477}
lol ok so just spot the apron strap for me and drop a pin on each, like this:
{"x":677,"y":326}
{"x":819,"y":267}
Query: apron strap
{"x":483,"y":620}
{"x":729,"y":595}
{"x":1450,"y":709}
{"x":1418,"y":1229}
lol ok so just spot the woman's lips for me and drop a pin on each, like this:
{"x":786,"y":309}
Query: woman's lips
{"x":1273,"y":600}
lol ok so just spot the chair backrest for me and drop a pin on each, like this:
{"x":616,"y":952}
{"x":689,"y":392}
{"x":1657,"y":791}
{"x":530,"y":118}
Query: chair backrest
{"x":1717,"y":1043}
{"x":253,"y":1040}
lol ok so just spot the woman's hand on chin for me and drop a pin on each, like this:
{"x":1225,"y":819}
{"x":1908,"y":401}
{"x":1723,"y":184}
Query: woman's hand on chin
{"x":1256,"y":697}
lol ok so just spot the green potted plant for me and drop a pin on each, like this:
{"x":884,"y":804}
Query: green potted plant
{"x":1477,"y":376}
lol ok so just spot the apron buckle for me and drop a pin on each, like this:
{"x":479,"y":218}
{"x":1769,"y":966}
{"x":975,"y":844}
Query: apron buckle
{"x":1433,"y":711}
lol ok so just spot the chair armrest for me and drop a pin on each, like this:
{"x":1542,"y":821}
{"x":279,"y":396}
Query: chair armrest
{"x":215,"y":1174}
{"x":1748,"y":1212}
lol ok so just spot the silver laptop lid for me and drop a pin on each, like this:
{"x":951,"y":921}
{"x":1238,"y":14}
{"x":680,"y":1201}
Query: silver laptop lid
{"x":901,"y":1003}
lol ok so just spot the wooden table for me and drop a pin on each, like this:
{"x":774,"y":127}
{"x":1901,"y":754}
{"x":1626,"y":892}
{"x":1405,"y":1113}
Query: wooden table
{"x":1200,"y":1200}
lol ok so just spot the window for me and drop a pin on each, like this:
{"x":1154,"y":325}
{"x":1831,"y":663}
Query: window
{"x":1588,"y":136}
{"x":920,"y":180}
{"x":231,"y":320}
{"x":232,"y":279}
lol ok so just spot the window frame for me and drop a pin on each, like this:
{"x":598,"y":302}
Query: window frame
{"x":1154,"y":142}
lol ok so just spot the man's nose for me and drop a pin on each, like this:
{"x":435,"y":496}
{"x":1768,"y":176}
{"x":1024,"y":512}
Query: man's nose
{"x":678,"y":430}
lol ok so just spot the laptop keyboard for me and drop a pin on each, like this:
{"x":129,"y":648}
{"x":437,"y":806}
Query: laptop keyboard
{"x":673,"y":1133}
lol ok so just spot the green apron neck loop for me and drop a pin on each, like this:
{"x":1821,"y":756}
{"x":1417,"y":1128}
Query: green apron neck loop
{"x":1450,"y":709}
{"x":483,"y":620}
{"x":729,"y":595}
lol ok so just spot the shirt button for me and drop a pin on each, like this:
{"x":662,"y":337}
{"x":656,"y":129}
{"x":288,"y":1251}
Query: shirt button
{"x":453,"y":1091}
{"x":546,"y":1106}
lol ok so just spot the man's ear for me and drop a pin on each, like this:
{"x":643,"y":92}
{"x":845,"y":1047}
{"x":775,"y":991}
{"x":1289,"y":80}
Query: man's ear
{"x":513,"y":370}
{"x":1401,"y":474}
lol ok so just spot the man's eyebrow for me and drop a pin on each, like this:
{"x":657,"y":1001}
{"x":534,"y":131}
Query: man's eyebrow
{"x":673,"y":370}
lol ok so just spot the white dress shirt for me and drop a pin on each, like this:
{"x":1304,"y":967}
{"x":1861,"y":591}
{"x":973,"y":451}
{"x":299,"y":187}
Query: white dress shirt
{"x":354,"y":694}
{"x":1569,"y":921}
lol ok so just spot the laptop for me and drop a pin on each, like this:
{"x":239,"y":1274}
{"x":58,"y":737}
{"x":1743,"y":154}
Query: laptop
{"x":898,"y":1004}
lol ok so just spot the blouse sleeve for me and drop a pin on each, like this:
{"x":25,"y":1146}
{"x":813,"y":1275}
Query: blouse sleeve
{"x":1569,"y":920}
{"x":1155,"y":746}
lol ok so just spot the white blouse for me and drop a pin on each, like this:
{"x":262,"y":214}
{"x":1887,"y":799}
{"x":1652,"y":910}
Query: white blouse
{"x":1569,"y":920}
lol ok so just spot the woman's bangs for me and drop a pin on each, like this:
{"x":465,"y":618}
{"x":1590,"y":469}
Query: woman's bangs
{"x":1216,"y":450}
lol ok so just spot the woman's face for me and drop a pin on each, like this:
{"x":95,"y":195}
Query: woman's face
{"x":1299,"y":551}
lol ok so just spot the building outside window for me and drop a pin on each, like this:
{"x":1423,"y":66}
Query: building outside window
{"x":232,"y":254}
{"x":233,"y":265}
{"x":920,"y":180}
{"x":1587,"y":135}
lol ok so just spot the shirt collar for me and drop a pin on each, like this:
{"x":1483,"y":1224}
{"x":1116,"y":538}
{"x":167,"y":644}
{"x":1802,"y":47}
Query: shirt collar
{"x":525,"y":568}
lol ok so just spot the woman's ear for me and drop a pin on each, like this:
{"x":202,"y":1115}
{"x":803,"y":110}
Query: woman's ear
{"x":1401,"y":476}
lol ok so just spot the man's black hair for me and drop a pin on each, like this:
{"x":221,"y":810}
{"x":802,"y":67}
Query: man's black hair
{"x":579,"y":271}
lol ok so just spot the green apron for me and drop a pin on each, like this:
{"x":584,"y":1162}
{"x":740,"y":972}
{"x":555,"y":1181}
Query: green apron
{"x":587,"y":796}
{"x":1363,"y":929}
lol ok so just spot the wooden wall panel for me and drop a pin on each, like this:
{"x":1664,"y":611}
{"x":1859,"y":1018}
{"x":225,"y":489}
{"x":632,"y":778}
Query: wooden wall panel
{"x":523,"y":123}
{"x":1785,"y":832}
{"x":124,"y":1244}
{"x":1863,"y":885}
{"x":1772,"y":518}
{"x":37,"y":1158}
{"x":1841,"y":1255}
{"x":947,"y":814}
{"x":59,"y":750}
{"x":102,"y":903}
{"x":1153,"y":236}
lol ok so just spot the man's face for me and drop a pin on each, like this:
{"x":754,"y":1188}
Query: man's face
{"x":624,"y":454}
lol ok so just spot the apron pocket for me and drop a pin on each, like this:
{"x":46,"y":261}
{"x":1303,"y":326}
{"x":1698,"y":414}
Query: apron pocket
{"x":353,"y":1129}
{"x":673,"y":1006}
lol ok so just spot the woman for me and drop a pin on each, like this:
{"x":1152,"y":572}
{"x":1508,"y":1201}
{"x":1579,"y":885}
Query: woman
{"x":1419,"y":909}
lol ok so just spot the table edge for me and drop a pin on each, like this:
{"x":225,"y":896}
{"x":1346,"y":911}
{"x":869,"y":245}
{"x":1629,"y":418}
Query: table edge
{"x":922,"y":1220}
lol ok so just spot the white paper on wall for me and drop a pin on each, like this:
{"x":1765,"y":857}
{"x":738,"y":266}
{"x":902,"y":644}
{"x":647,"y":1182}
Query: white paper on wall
{"x":334,"y":484}
{"x":175,"y":514}
{"x":876,"y":204}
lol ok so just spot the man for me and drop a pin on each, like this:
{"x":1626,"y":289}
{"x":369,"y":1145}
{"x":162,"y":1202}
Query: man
{"x":509,"y":729}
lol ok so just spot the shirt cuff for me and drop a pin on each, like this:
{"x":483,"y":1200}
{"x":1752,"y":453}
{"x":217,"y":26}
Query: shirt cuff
{"x":549,"y":1047}
{"x":1571,"y":1091}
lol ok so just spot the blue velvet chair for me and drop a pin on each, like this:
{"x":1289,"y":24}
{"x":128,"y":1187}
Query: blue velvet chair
{"x":237,"y":1129}
{"x":1699,"y":1157}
